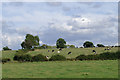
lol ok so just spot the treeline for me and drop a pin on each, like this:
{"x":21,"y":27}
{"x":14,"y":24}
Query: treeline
{"x":32,"y":42}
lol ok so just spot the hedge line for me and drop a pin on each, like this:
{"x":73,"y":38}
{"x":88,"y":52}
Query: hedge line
{"x":40,"y":57}
{"x":102,"y":56}
{"x":22,"y":57}
{"x":57,"y":58}
{"x":36,"y":58}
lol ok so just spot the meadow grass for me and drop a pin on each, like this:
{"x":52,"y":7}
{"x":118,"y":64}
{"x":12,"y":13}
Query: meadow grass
{"x":61,"y":69}
{"x":64,"y":52}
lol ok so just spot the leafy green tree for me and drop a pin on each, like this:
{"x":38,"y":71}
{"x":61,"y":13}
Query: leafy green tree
{"x":100,"y":45}
{"x":30,"y":41}
{"x":88,"y":44}
{"x":61,"y":43}
{"x":72,"y":46}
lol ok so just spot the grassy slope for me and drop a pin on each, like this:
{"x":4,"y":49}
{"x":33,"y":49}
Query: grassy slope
{"x":8,"y":54}
{"x":75,"y":52}
{"x":64,"y":69}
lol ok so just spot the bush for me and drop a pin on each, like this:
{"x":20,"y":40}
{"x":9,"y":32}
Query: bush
{"x":4,"y":60}
{"x":102,"y":56}
{"x":57,"y":58}
{"x":6,"y":48}
{"x":90,"y":57}
{"x":81,"y":57}
{"x":22,"y":57}
{"x":108,"y":56}
{"x":39,"y":57}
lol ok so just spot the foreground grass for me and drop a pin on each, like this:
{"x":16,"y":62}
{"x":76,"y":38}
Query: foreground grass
{"x":62,"y":69}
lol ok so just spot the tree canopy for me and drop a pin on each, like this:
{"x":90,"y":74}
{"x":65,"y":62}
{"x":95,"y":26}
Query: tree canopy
{"x":60,"y":43}
{"x":100,"y":45}
{"x":88,"y":44}
{"x":30,"y":41}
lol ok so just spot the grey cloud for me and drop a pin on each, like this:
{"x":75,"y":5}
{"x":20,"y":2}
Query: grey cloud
{"x":86,"y":3}
{"x":54,"y":4}
{"x":7,"y":27}
{"x":66,"y":8}
{"x":101,"y":30}
{"x":17,"y":4}
{"x":100,"y":33}
{"x":97,"y":5}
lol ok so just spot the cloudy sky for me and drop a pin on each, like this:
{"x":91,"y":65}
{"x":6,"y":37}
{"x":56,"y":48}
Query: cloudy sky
{"x":76,"y":22}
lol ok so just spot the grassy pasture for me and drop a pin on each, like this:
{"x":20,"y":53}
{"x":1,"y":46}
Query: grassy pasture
{"x":62,"y":69}
{"x":75,"y":52}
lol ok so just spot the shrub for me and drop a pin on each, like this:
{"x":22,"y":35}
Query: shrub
{"x":90,"y":57}
{"x":57,"y":58}
{"x":81,"y":57}
{"x":22,"y":57}
{"x":4,"y":60}
{"x":6,"y":48}
{"x":39,"y":57}
{"x":102,"y":56}
{"x":108,"y":56}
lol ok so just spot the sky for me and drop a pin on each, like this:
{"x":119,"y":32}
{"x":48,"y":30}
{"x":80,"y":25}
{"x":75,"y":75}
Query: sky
{"x":76,"y":22}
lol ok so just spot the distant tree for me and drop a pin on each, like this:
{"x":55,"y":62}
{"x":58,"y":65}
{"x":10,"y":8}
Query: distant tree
{"x":30,"y":42}
{"x":72,"y":46}
{"x":61,"y":43}
{"x":88,"y":44}
{"x":100,"y":45}
{"x":44,"y":46}
{"x":6,"y":48}
{"x":68,"y":46}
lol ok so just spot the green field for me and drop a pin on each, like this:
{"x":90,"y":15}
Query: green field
{"x":64,"y":69}
{"x":61,"y":69}
{"x":75,"y":52}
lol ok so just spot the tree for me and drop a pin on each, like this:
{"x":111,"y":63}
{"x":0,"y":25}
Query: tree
{"x":44,"y":46}
{"x":88,"y":44}
{"x":72,"y":46}
{"x":23,"y":45}
{"x":30,"y":42}
{"x":61,"y":43}
{"x":100,"y":45}
{"x":6,"y":48}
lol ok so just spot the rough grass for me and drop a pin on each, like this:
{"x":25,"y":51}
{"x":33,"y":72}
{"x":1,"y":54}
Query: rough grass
{"x":62,"y":69}
{"x":8,"y":54}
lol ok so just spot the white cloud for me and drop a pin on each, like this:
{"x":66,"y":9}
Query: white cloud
{"x":41,"y":42}
{"x":52,"y":25}
{"x":12,"y":41}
